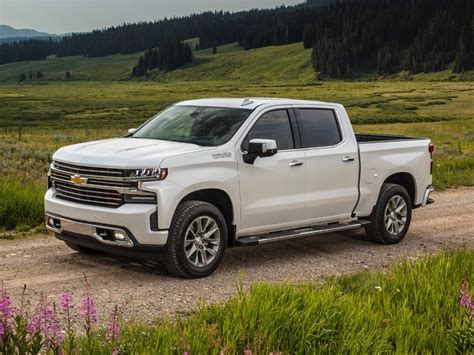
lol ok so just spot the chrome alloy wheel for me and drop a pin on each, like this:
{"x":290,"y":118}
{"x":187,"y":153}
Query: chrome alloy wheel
{"x":202,"y":241}
{"x":395,"y":216}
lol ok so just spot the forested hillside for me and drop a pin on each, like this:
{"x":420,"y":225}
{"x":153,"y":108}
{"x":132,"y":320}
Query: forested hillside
{"x":348,"y":37}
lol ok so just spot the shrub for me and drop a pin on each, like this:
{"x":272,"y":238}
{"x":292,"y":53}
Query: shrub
{"x":21,"y":204}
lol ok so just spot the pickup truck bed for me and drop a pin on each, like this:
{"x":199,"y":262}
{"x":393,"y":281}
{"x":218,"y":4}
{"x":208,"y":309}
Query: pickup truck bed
{"x":372,"y":138}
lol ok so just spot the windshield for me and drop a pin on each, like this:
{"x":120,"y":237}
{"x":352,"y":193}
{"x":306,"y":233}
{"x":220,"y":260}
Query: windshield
{"x":207,"y":126}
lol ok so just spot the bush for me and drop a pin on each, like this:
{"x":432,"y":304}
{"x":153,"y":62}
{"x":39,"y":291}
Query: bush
{"x":21,"y":204}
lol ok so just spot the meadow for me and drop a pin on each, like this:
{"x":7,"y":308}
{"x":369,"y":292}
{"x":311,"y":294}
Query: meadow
{"x":40,"y":115}
{"x":420,"y":306}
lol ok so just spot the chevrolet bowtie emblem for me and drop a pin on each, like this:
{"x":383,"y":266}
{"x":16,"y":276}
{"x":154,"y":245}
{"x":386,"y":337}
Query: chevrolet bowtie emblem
{"x":78,"y":180}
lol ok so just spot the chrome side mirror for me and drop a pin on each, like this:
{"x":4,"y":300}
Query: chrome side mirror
{"x":131,"y":131}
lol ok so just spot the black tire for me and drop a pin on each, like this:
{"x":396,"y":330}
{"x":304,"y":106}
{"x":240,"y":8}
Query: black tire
{"x":81,"y":249}
{"x":175,"y":258}
{"x":377,"y":231}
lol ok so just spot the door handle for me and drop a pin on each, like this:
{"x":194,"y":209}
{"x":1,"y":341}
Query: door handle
{"x":347,"y":159}
{"x":295,"y":163}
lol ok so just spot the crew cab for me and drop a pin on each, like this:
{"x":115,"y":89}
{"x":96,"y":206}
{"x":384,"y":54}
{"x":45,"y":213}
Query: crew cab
{"x":204,"y":175}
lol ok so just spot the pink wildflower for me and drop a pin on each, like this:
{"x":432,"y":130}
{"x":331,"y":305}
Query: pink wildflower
{"x":88,"y":308}
{"x":114,"y":327}
{"x":67,"y":301}
{"x":465,"y":300}
{"x":6,"y":312}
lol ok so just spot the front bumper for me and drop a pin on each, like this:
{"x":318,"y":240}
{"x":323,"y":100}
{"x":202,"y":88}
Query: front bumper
{"x":133,"y":220}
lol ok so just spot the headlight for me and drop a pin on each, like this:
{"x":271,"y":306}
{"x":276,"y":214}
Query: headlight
{"x":153,"y":173}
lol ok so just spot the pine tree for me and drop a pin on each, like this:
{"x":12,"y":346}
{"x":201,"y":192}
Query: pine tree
{"x":67,"y":74}
{"x":22,"y":77}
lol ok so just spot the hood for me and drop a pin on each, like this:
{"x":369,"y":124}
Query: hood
{"x":124,"y":153}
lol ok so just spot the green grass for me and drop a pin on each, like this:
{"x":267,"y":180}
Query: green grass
{"x":414,"y":308}
{"x":95,"y":104}
{"x":21,"y":205}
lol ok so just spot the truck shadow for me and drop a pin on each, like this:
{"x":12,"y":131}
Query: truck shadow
{"x":247,"y":259}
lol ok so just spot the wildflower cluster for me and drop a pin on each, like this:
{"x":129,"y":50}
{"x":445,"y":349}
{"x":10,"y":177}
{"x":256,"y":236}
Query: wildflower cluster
{"x":51,"y":328}
{"x":6,"y":312}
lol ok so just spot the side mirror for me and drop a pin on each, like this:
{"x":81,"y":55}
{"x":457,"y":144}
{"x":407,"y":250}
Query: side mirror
{"x":260,"y":148}
{"x":131,"y":131}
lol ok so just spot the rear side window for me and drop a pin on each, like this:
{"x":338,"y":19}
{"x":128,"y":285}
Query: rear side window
{"x":272,"y":125}
{"x":319,"y":128}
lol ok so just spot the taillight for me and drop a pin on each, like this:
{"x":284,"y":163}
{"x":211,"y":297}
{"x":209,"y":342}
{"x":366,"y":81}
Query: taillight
{"x":431,"y":149}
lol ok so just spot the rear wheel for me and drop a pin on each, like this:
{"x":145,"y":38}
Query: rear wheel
{"x":391,"y":216}
{"x":196,"y":240}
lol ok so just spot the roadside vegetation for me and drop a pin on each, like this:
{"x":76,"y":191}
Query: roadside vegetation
{"x":420,"y":306}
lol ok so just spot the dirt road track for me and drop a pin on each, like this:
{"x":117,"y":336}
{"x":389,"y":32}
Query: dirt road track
{"x":48,"y":266}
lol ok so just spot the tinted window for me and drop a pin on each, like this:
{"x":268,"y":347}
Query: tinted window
{"x":207,"y":126}
{"x":272,"y":125}
{"x":320,"y":128}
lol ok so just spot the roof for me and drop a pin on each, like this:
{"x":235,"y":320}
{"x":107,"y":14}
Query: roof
{"x":249,"y":102}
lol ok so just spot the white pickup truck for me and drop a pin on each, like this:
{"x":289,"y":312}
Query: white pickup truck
{"x":203,"y":175}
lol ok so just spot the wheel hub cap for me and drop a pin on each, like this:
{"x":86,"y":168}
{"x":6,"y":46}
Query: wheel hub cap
{"x":202,"y":241}
{"x":395,"y":216}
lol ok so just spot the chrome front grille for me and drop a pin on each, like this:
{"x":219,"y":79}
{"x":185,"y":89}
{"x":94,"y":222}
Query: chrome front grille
{"x":100,"y":186}
{"x":89,"y":170}
{"x":93,"y":196}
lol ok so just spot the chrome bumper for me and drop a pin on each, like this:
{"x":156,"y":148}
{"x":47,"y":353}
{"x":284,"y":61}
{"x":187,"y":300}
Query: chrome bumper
{"x":426,"y":196}
{"x":103,"y":234}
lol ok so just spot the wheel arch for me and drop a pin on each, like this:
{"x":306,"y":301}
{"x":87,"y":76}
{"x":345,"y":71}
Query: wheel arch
{"x":405,"y":180}
{"x":222,"y":201}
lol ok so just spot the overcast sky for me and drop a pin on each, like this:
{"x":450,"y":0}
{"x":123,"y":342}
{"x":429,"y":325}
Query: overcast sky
{"x":62,"y":16}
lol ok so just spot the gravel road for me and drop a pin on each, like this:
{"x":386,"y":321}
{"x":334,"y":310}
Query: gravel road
{"x":48,"y":266}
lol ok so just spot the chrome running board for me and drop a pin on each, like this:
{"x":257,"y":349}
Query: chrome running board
{"x":298,"y":233}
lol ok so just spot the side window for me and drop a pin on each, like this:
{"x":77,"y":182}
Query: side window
{"x":320,"y":128}
{"x":272,"y":125}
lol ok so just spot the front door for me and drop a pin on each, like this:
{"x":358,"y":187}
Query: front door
{"x":272,"y":188}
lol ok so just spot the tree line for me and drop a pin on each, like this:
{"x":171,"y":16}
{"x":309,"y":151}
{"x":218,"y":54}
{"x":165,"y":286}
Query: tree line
{"x":168,"y":56}
{"x":347,"y":37}
{"x":389,"y":36}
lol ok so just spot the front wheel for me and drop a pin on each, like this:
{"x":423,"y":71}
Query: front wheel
{"x":391,"y":216}
{"x":196,"y":240}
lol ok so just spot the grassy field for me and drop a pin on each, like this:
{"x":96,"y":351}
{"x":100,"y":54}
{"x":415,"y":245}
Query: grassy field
{"x":414,"y":308}
{"x":51,"y":112}
{"x":288,"y":63}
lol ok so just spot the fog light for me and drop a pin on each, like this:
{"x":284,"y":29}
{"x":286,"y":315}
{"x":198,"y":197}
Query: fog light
{"x":54,"y":223}
{"x":120,"y":236}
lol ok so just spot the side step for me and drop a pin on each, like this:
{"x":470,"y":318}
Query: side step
{"x":298,"y":233}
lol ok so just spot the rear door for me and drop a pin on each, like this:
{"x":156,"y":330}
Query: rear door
{"x":272,"y":188}
{"x":332,"y":167}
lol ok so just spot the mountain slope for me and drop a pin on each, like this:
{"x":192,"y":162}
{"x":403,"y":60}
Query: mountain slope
{"x":289,"y":63}
{"x":10,"y":32}
{"x":278,"y":64}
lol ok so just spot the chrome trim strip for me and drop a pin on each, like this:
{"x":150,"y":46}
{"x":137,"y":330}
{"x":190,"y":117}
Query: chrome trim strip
{"x":114,"y":204}
{"x":87,"y":229}
{"x":75,"y":192}
{"x":104,"y":177}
